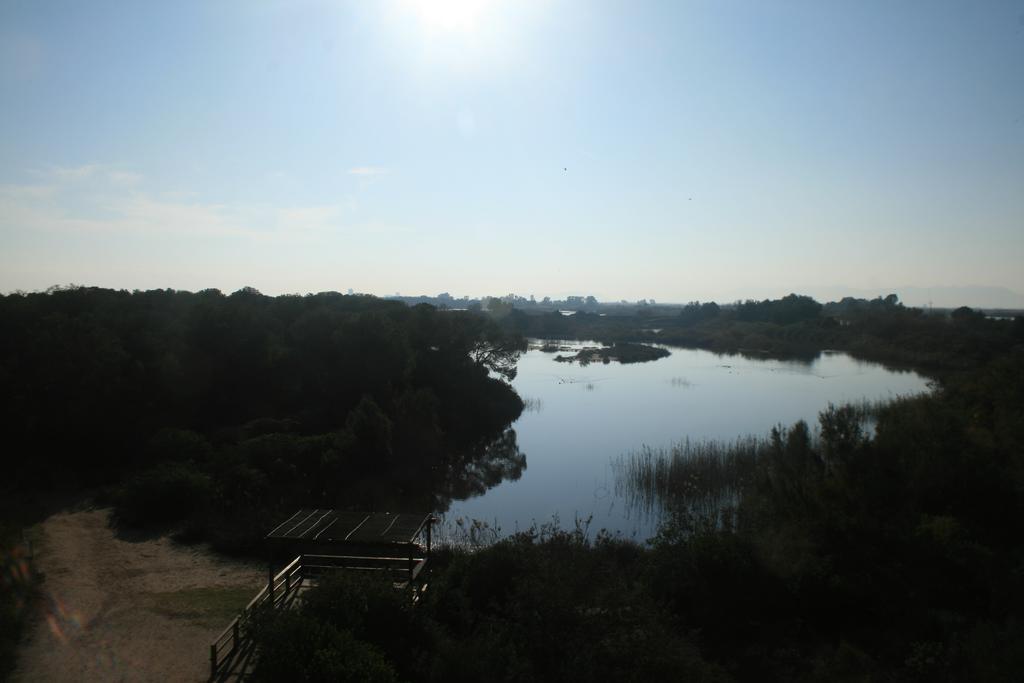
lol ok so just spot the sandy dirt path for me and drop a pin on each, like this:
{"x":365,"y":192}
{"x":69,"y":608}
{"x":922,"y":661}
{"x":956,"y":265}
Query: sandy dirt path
{"x":116,"y":610}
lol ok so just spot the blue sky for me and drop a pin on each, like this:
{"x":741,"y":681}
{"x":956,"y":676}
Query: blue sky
{"x":676,"y":150}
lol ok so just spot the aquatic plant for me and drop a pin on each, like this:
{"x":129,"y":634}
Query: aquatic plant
{"x":702,"y":477}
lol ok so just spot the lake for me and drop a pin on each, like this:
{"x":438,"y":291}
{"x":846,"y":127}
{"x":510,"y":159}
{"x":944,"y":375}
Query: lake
{"x":580,"y":419}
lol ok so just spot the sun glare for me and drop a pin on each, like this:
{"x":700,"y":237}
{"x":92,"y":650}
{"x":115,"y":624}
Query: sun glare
{"x":449,"y":15}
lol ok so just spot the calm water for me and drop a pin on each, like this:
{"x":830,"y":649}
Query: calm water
{"x":579,"y":419}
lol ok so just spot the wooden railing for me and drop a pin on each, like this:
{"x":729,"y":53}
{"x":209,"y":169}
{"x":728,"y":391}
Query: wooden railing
{"x":401,"y":569}
{"x":233,"y":644}
{"x":279,"y":591}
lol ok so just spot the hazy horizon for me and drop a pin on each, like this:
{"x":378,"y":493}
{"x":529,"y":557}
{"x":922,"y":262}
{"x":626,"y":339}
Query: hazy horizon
{"x":923,"y":297}
{"x":675,"y":151}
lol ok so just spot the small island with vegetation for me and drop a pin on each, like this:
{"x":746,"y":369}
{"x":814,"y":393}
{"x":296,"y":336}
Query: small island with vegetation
{"x":622,"y":352}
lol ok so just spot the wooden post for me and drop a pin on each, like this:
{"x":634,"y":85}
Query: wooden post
{"x":234,"y":634}
{"x":213,"y":660}
{"x":430,"y":526}
{"x":270,"y":582}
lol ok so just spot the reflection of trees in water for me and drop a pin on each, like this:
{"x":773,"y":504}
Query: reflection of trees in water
{"x":431,"y":479}
{"x":532,"y":405}
{"x":476,"y":471}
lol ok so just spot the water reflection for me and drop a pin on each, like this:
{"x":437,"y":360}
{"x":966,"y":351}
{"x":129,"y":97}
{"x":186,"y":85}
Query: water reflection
{"x":433,"y":482}
{"x":501,"y":460}
{"x":594,"y":415}
{"x":532,"y":405}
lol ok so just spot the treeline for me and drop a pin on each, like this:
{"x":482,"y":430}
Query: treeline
{"x":845,"y":553}
{"x":220,"y":411}
{"x":797,"y":326}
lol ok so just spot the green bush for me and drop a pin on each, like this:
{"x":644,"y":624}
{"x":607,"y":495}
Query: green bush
{"x":161,"y":496}
{"x":178,"y":445}
{"x":368,"y":606}
{"x":296,"y":647}
{"x":550,"y":605}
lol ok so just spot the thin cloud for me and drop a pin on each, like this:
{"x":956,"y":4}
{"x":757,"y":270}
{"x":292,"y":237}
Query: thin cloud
{"x":96,"y":199}
{"x":309,"y":219}
{"x":368,"y":171}
{"x":124,"y":177}
{"x":101,"y":173}
{"x":82,"y":172}
{"x":18,"y":193}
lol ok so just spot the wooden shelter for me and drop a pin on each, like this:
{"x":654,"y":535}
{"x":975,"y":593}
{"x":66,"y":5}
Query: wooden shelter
{"x":338,"y":528}
{"x":323,"y":542}
{"x":336,"y":532}
{"x":326,"y":540}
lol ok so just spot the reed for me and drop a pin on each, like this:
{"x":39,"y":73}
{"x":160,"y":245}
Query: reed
{"x":704,"y":478}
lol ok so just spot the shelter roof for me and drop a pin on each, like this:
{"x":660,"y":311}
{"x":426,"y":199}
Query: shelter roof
{"x":336,"y":526}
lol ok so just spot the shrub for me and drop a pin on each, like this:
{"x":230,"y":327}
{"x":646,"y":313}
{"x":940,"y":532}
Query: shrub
{"x":368,"y":606}
{"x":178,"y":445}
{"x":162,"y":496}
{"x":297,"y":647}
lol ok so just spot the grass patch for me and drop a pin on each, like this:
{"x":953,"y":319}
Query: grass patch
{"x":208,"y":607}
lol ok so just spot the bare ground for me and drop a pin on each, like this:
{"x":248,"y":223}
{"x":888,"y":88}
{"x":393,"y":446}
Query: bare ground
{"x":119,"y":610}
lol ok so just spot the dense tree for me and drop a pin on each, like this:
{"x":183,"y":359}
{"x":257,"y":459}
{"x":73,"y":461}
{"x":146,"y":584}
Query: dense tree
{"x":696,"y":312}
{"x":259,"y":401}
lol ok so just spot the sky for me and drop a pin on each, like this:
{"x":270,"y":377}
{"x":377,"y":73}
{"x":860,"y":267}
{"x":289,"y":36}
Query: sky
{"x":669,"y":150}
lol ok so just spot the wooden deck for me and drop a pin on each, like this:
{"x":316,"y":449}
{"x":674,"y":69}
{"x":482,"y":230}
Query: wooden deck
{"x":327,"y":541}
